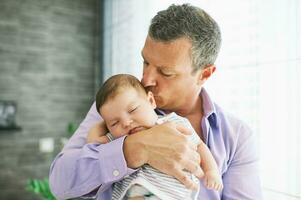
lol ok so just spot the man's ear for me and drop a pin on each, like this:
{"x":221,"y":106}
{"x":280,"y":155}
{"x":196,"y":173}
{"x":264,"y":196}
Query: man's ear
{"x":151,"y":99}
{"x":206,"y":73}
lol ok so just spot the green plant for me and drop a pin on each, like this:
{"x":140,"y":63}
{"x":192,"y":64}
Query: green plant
{"x":40,"y":187}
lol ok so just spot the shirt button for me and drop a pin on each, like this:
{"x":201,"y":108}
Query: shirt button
{"x":116,"y":172}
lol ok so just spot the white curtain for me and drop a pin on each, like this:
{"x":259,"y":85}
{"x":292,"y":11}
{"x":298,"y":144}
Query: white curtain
{"x":258,"y":75}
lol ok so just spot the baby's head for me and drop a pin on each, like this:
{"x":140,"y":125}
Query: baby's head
{"x":125,"y":106}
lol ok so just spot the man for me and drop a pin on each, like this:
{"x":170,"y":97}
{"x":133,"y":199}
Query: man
{"x":179,"y":54}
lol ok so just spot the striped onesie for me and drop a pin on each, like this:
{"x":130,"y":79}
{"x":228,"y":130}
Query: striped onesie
{"x":153,"y":184}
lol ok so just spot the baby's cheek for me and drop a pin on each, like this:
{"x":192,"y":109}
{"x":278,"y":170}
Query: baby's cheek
{"x":119,"y":133}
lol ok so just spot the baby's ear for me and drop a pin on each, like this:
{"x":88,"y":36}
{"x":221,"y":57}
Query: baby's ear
{"x":151,"y":99}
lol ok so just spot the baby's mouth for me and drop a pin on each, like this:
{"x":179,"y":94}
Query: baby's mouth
{"x":136,"y":129}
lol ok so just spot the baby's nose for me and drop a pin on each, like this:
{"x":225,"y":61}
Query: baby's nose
{"x":127,"y":122}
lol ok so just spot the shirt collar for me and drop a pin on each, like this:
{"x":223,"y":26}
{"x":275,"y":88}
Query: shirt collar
{"x":209,"y":108}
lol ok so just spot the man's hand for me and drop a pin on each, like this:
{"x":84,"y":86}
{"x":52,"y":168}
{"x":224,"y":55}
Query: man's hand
{"x":166,"y":148}
{"x":97,"y":134}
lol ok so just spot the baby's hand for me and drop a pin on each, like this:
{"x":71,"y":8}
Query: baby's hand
{"x":212,"y":180}
{"x":97,"y":134}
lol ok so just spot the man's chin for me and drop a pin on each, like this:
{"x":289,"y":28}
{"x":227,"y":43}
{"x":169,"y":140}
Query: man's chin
{"x":158,"y":100}
{"x":161,"y":105}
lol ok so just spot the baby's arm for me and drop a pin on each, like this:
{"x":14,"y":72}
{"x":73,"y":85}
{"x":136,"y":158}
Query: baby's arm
{"x":97,"y":134}
{"x":212,"y":178}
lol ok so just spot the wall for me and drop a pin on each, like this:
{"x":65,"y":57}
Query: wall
{"x":48,"y":65}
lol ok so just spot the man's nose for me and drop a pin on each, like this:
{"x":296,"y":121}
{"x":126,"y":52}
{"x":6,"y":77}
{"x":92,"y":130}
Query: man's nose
{"x":149,"y":77}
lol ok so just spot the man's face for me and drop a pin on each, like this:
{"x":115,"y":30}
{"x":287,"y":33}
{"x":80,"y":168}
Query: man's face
{"x":129,"y":112}
{"x":167,"y":73}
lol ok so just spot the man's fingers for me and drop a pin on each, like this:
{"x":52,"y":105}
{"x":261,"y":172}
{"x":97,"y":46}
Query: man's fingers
{"x":186,"y":132}
{"x":186,"y":179}
{"x":183,"y":129}
{"x":194,"y":169}
{"x":195,"y":157}
{"x":190,"y":156}
{"x":194,"y":147}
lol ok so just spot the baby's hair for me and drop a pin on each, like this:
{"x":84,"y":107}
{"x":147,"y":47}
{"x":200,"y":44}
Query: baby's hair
{"x":114,"y":85}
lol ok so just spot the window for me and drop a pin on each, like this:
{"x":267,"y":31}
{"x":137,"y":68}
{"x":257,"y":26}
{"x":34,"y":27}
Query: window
{"x":259,"y":62}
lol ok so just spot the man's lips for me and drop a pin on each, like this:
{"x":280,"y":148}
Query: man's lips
{"x":136,"y":129}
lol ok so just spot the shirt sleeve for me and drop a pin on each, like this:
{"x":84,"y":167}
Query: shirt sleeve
{"x":82,"y":169}
{"x":241,"y":180}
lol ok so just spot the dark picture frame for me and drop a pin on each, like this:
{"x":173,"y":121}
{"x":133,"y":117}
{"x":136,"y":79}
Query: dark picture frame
{"x":8,"y":110}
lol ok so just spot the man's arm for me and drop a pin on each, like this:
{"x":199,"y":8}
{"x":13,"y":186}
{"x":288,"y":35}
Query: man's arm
{"x":241,"y":180}
{"x":81,"y":169}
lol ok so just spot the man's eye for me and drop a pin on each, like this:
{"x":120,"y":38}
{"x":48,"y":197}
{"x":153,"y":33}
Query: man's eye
{"x":166,"y":74}
{"x":133,"y":110}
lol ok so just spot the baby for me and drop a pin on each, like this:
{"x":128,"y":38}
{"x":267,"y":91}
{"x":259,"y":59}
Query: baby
{"x":127,"y":108}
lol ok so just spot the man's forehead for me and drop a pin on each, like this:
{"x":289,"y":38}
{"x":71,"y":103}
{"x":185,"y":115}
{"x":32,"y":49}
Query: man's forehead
{"x":163,"y":65}
{"x":167,"y":56}
{"x":172,"y":45}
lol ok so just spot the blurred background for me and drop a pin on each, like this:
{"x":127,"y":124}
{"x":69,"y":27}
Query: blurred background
{"x":55,"y":53}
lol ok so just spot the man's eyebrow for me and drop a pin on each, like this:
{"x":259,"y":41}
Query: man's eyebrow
{"x":165,"y":68}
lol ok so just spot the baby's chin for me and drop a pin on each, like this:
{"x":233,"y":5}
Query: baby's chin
{"x":137,"y":129}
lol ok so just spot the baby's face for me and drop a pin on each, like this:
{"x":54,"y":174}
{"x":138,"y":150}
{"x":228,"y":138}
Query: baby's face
{"x":129,"y":112}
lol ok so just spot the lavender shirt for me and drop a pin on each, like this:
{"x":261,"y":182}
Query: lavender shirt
{"x":87,"y":170}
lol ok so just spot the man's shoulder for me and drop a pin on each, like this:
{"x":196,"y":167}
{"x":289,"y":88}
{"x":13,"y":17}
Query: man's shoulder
{"x":230,"y":124}
{"x":235,"y":135}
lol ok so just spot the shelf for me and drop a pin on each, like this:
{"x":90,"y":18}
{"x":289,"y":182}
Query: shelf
{"x":12,"y":128}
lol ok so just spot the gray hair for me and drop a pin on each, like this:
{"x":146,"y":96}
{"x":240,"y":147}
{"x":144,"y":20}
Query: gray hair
{"x":188,"y":21}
